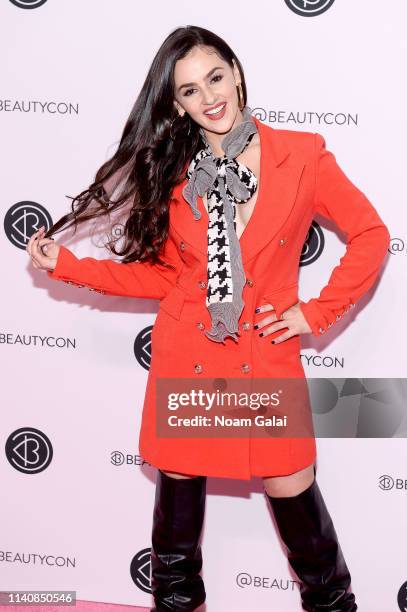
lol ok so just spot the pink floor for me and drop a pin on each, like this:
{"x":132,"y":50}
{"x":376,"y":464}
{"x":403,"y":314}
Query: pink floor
{"x":81,"y":606}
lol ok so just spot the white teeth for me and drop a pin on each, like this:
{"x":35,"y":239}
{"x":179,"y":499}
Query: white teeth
{"x":215,"y":110}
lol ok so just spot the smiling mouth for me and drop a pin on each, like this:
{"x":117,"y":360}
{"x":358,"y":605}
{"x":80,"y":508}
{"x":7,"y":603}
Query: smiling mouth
{"x":216,"y":110}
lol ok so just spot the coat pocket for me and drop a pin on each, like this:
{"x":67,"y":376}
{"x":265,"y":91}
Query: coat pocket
{"x":281,"y":299}
{"x":173,"y":302}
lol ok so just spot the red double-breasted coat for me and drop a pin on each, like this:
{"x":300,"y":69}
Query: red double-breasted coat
{"x":299,"y":177}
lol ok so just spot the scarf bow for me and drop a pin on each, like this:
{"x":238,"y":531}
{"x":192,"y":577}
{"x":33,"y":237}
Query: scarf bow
{"x":227,"y":182}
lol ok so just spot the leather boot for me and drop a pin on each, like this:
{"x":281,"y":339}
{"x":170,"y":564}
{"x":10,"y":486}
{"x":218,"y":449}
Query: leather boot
{"x":176,"y":556}
{"x":314,"y":552}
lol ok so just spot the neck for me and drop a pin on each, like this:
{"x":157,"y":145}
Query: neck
{"x":215,"y":139}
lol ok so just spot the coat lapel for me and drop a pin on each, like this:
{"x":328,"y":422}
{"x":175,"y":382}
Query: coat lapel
{"x":278,"y":185}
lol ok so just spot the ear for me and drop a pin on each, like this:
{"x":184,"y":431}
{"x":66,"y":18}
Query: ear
{"x":179,"y":108}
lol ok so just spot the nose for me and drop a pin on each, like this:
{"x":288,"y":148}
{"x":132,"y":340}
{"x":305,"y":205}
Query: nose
{"x":208,"y":97}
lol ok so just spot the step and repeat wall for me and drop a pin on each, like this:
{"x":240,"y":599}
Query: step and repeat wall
{"x":77,"y":497}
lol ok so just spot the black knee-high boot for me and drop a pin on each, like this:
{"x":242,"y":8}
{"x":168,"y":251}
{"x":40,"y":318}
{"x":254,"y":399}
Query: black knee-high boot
{"x":176,"y":556}
{"x":314,"y":552}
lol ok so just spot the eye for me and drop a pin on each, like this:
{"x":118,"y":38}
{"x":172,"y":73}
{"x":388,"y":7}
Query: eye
{"x":216,"y":78}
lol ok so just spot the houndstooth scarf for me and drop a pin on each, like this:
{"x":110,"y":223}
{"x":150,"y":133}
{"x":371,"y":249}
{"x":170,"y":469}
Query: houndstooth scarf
{"x":227,"y":182}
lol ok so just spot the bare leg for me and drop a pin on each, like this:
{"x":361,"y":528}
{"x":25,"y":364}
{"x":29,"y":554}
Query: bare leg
{"x":177,"y":475}
{"x":287,"y":486}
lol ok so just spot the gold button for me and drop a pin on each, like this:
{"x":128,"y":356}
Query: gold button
{"x":182,"y":245}
{"x":200,"y":325}
{"x":249,"y":282}
{"x":283,"y":241}
{"x":198,"y":368}
{"x":202,"y":284}
{"x":245,"y":367}
{"x":246,"y":325}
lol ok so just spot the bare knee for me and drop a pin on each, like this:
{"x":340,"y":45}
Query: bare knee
{"x":177,"y":474}
{"x":288,"y":486}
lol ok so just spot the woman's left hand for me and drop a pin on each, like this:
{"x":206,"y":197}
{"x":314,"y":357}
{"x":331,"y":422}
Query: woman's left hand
{"x":292,"y":318}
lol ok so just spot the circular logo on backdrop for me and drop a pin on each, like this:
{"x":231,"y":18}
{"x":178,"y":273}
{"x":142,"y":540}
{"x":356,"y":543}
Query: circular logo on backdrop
{"x":313,"y":245}
{"x":402,"y":597}
{"x":142,"y":347}
{"x":23,"y":219}
{"x":140,"y":569}
{"x":386,"y":482}
{"x":28,"y":4}
{"x":309,"y":8}
{"x":29,"y":450}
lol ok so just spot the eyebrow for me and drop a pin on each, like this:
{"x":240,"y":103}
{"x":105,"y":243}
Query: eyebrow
{"x":208,"y":75}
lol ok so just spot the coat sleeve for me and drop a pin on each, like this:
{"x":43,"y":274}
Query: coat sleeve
{"x":135,"y":279}
{"x":368,"y":238}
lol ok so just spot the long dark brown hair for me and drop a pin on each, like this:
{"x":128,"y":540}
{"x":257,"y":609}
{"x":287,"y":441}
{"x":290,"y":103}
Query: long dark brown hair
{"x":137,"y":181}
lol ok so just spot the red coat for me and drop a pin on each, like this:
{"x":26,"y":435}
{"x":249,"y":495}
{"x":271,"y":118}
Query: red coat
{"x":298,"y":178}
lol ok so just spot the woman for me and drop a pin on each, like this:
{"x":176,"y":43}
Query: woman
{"x":216,"y":208}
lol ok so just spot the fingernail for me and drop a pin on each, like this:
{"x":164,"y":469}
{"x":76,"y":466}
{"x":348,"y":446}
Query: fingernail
{"x":261,"y":333}
{"x":257,"y":310}
{"x":255,"y":326}
{"x":272,"y":342}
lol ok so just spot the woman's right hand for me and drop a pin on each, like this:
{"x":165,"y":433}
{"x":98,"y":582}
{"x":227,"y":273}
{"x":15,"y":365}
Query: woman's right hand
{"x":45,"y":259}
